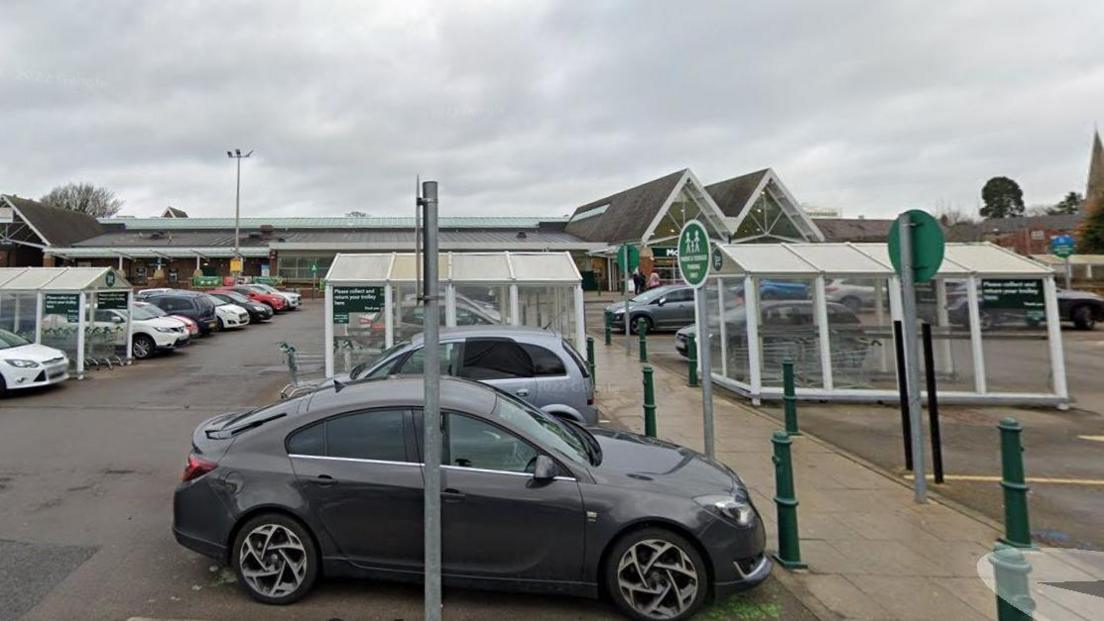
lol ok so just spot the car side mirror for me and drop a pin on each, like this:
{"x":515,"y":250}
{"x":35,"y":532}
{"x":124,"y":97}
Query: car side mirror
{"x":661,"y":301}
{"x":545,"y":469}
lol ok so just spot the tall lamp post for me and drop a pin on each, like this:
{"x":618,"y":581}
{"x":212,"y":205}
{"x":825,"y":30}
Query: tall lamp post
{"x":237,"y":260}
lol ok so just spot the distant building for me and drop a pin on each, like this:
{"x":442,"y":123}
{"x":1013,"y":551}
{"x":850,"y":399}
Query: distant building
{"x":173,"y":212}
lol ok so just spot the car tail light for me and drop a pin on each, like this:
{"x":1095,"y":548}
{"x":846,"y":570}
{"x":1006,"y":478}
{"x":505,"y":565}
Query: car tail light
{"x":197,"y":467}
{"x":590,"y":400}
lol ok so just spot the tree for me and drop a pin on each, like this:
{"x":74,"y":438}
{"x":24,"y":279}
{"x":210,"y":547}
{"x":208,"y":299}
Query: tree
{"x":85,"y":198}
{"x":1068,"y":205}
{"x":1090,"y":234}
{"x":1003,"y":198}
{"x":356,"y":214}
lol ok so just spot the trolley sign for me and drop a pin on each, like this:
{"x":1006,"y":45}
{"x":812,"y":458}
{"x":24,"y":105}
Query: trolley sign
{"x":693,"y":254}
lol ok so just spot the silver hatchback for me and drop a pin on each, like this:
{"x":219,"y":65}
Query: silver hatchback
{"x":539,"y":366}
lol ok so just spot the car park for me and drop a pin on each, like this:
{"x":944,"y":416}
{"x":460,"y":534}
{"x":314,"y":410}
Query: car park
{"x":276,"y":302}
{"x":229,"y":314}
{"x":24,"y":364}
{"x":191,"y":325}
{"x":257,"y":311}
{"x":330,"y":483}
{"x":291,"y":299}
{"x":193,"y":305}
{"x":536,"y":365}
{"x":150,"y":333}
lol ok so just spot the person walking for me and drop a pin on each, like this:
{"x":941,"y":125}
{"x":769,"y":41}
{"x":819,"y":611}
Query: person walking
{"x":639,"y":282}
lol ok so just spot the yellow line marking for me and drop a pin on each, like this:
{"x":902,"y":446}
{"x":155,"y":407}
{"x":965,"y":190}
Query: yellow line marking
{"x":977,"y":478}
{"x":1092,"y":438}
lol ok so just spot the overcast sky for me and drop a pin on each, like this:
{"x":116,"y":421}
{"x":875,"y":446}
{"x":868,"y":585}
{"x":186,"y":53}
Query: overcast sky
{"x":533,"y":108}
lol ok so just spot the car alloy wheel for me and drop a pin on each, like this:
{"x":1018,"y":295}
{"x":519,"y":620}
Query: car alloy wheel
{"x":275,"y":559}
{"x":659,"y":576}
{"x":143,"y":347}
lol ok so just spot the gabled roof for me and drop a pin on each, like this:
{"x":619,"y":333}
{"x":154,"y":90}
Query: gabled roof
{"x":53,"y":225}
{"x":173,"y":212}
{"x":855,"y":229}
{"x":732,"y":195}
{"x":626,"y":215}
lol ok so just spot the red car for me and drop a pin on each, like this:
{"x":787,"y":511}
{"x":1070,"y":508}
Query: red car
{"x":275,"y":302}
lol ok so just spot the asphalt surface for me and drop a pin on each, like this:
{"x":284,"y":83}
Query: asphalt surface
{"x":87,"y":472}
{"x":1068,"y":445}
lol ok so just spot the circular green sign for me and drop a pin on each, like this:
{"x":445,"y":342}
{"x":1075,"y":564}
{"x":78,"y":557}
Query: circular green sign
{"x":693,"y":253}
{"x":628,"y":258}
{"x":927,"y":245}
{"x":1062,"y":246}
{"x":716,"y":259}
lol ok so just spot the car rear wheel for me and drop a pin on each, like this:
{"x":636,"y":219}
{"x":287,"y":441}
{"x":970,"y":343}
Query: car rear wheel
{"x":143,"y":346}
{"x":275,"y":559}
{"x":3,"y":386}
{"x":1083,"y":318}
{"x":647,"y":324}
{"x":654,"y":573}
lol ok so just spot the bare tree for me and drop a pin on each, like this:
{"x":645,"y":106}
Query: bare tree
{"x":85,"y":198}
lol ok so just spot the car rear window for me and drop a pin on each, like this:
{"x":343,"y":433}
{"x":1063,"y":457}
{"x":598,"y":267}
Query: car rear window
{"x":579,"y":362}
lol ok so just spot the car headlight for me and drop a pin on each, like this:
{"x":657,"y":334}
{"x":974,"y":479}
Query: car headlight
{"x":166,"y":330}
{"x":22,"y":364}
{"x":737,"y":510}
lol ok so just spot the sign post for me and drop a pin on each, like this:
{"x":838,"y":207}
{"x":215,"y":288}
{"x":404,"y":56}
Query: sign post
{"x":916,"y":249}
{"x":431,"y":412}
{"x":628,"y":259}
{"x":694,"y":258}
{"x":1062,"y":246}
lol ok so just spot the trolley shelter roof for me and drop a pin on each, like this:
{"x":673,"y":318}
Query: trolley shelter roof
{"x":484,"y":267}
{"x":808,"y":260}
{"x":24,"y":279}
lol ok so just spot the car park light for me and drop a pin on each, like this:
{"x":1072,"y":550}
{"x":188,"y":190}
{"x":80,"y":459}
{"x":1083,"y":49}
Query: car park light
{"x":23,"y":364}
{"x":197,"y":467}
{"x":166,"y":330}
{"x":732,"y":508}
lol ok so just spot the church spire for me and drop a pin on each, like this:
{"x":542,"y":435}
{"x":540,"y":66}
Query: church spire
{"x":1094,"y":189}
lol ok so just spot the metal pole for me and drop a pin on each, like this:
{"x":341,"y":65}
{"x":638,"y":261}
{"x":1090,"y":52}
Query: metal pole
{"x":237,"y":213}
{"x":933,"y":404}
{"x":706,"y":369}
{"x":649,"y":402}
{"x":417,"y":238}
{"x":1017,"y":525}
{"x":912,"y":371}
{"x":1069,"y":274}
{"x":902,"y":391}
{"x":432,"y":411}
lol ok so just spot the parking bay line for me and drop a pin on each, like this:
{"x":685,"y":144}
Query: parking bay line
{"x":977,"y":478}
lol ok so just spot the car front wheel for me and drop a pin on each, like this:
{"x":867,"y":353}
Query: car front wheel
{"x":654,"y":573}
{"x":275,"y":559}
{"x":143,"y":346}
{"x":1083,"y":318}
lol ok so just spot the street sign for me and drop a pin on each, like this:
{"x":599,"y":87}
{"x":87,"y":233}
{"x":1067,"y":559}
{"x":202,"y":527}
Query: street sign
{"x":65,"y":304}
{"x":716,"y":259}
{"x":628,"y":258}
{"x":693,"y":253}
{"x":111,"y":300}
{"x":348,"y":300}
{"x":314,"y":268}
{"x":927,"y":245}
{"x":235,"y":265}
{"x":1061,"y":245}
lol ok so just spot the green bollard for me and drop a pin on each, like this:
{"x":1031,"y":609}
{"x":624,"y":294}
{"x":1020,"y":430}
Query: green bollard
{"x":609,"y":327}
{"x":789,"y":543}
{"x":649,"y":403}
{"x":692,"y":350}
{"x":1017,"y":529}
{"x":1010,"y":571}
{"x":590,"y":358}
{"x":641,"y":329}
{"x":789,"y":398}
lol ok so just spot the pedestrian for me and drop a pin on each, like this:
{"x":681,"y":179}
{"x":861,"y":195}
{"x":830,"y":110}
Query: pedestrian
{"x":639,"y":282}
{"x":653,"y":281}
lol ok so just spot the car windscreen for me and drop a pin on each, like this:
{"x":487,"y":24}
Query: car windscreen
{"x":11,"y":339}
{"x":651,"y":294}
{"x":541,"y":427}
{"x":359,"y":369}
{"x":149,"y":309}
{"x":237,"y":298}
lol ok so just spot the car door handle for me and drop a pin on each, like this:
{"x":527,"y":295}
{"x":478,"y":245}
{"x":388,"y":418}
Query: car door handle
{"x":452,"y":495}
{"x":324,"y":480}
{"x":524,"y":392}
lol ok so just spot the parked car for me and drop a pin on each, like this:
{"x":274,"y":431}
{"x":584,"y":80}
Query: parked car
{"x":661,"y":308}
{"x":330,"y":484}
{"x":536,"y":365}
{"x":257,"y":311}
{"x":291,"y":299}
{"x":196,"y":306}
{"x":24,"y":364}
{"x":144,"y":293}
{"x":276,"y":302}
{"x":851,"y":294}
{"x":1082,"y":308}
{"x":229,"y":314}
{"x":150,"y":333}
{"x":191,"y":325}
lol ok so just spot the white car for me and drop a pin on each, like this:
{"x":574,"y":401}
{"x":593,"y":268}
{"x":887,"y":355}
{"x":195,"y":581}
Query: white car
{"x":229,"y":315}
{"x":293,"y":299}
{"x":854,"y":296}
{"x":151,"y":333}
{"x":24,"y":364}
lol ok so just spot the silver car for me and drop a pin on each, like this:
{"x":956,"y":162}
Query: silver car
{"x":537,"y":365}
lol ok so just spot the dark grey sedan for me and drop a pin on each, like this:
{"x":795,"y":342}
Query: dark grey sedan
{"x":331,"y":482}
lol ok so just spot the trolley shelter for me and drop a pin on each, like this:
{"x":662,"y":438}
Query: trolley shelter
{"x":371,"y":301}
{"x":830,"y":307}
{"x":83,"y":311}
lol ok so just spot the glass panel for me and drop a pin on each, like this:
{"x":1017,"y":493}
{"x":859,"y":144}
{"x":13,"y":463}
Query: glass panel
{"x":478,"y":305}
{"x":860,"y":333}
{"x":299,"y":267}
{"x":1013,"y":335}
{"x":735,"y":331}
{"x":474,"y":267}
{"x":359,"y":341}
{"x":18,"y":314}
{"x":951,"y":346}
{"x":544,"y":266}
{"x":548,"y":307}
{"x":788,"y":331}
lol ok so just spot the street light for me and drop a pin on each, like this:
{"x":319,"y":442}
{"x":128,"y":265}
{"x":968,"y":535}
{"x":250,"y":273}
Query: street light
{"x":237,"y":155}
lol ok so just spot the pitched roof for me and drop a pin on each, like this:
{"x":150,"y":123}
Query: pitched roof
{"x":854,"y":229}
{"x":56,"y":226}
{"x":732,"y":194}
{"x":626,"y":214}
{"x":173,"y":212}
